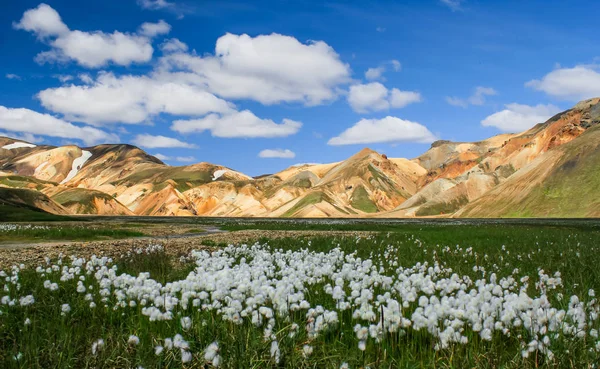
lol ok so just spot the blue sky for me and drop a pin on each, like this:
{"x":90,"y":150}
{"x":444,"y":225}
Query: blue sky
{"x":221,"y":81}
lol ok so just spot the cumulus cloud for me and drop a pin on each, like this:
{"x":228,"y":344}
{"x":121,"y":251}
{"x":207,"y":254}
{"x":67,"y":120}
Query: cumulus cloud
{"x":385,"y":130}
{"x":238,"y":124}
{"x":89,"y":49}
{"x":375,"y":97}
{"x":129,"y":99}
{"x":577,"y":83}
{"x":154,"y":142}
{"x":477,"y":98}
{"x":28,"y":121}
{"x":44,"y":21}
{"x":518,"y":117}
{"x":277,"y":153}
{"x":155,"y":29}
{"x":376,"y":73}
{"x":173,"y":45}
{"x":399,"y":99}
{"x":267,"y":68}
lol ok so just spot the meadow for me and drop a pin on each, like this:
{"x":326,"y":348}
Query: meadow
{"x":15,"y":232}
{"x":414,"y":296}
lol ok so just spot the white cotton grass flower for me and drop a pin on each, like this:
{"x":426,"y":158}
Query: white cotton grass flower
{"x":186,"y":356}
{"x":186,"y":323}
{"x":211,"y":351}
{"x":344,"y":365}
{"x":133,"y":340}
{"x":18,"y":356}
{"x":27,"y":300}
{"x":97,"y":346}
{"x":211,"y":354}
{"x":307,"y":350}
{"x":65,"y":309}
{"x":158,"y":350}
{"x":275,"y":353}
{"x":27,"y":321}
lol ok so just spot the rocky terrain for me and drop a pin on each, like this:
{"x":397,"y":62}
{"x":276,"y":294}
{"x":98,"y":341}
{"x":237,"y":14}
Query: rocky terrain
{"x":549,"y":170}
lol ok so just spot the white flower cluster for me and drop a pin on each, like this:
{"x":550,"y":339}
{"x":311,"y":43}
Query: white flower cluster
{"x":6,"y":227}
{"x":260,"y":286}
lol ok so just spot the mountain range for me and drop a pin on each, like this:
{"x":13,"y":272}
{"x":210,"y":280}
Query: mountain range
{"x":550,"y":170}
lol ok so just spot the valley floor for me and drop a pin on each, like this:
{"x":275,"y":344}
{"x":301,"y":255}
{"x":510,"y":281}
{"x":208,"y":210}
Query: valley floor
{"x":198,"y":292}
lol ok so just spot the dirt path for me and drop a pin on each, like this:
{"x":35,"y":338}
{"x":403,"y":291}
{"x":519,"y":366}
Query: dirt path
{"x":175,"y":245}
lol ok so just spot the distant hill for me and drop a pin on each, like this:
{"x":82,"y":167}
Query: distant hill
{"x":550,"y":170}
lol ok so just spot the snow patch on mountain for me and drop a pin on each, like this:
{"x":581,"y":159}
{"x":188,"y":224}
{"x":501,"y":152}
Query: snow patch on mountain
{"x":218,"y":174}
{"x":77,"y":164}
{"x":18,"y":145}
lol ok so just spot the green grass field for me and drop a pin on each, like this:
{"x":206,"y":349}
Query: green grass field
{"x":383,"y":301}
{"x":53,"y":232}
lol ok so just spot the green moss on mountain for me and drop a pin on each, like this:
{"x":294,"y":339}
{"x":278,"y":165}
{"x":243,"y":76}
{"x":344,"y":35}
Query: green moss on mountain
{"x":443,"y":207}
{"x":310,"y":199}
{"x":360,"y":200}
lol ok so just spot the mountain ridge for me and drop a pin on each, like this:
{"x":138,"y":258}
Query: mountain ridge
{"x":449,"y":179}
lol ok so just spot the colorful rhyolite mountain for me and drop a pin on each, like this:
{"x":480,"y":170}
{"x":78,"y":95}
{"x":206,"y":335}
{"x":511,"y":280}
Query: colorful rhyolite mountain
{"x":551,"y":170}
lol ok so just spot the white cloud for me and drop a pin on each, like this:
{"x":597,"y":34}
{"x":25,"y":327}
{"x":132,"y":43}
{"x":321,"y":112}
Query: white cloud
{"x":477,"y":98}
{"x":277,"y":153}
{"x":173,"y":45}
{"x":238,"y":124}
{"x":388,"y":129}
{"x":375,"y":97}
{"x":517,"y":117}
{"x":399,"y":99}
{"x":454,"y":5}
{"x":89,"y":49}
{"x":155,"y":29}
{"x":162,"y":157}
{"x":380,"y":29}
{"x":27,"y":137}
{"x":44,"y":21}
{"x":63,"y":77}
{"x":153,"y":142}
{"x":13,"y":76}
{"x":155,"y":4}
{"x":374,"y":73}
{"x":129,"y":99}
{"x":377,"y":73}
{"x":577,"y":83}
{"x":365,"y":97}
{"x":267,"y":68}
{"x":28,"y":121}
{"x":185,"y":159}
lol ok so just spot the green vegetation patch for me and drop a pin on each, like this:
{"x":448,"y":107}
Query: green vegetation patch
{"x":360,"y":200}
{"x":441,"y":208}
{"x":32,"y":233}
{"x":311,"y":198}
{"x":102,"y":325}
{"x":80,"y":195}
{"x":24,"y":213}
{"x":23,"y":182}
